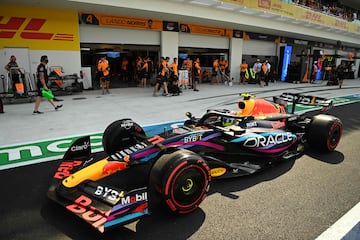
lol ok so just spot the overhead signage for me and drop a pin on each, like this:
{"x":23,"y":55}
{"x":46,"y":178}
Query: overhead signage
{"x":120,"y":21}
{"x":205,"y":30}
{"x":259,"y":36}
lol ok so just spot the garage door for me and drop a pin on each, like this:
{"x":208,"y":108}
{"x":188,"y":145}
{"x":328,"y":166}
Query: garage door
{"x":201,"y":41}
{"x":97,"y":34}
{"x":256,"y":47}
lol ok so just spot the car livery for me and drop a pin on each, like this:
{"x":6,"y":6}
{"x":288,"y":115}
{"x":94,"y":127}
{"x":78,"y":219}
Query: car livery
{"x":138,"y":172}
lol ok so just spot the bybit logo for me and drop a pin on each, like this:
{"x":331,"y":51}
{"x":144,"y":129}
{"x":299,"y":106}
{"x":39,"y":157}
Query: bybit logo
{"x":31,"y":30}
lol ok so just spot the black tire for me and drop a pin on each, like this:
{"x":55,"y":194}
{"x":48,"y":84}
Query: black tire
{"x":180,"y":180}
{"x":324,"y":133}
{"x":121,"y":134}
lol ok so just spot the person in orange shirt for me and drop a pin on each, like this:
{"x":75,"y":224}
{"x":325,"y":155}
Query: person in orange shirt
{"x":161,"y":79}
{"x":222,"y":65}
{"x":173,"y":88}
{"x":215,"y":71}
{"x":243,"y":68}
{"x":196,"y":74}
{"x":144,"y":72}
{"x":104,"y":69}
{"x":174,"y":70}
{"x":138,"y":65}
{"x":124,"y":69}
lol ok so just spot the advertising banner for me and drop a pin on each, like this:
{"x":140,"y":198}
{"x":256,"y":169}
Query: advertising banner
{"x":286,"y":62}
{"x":298,"y":12}
{"x":121,"y":21}
{"x":205,"y":30}
{"x":39,"y":28}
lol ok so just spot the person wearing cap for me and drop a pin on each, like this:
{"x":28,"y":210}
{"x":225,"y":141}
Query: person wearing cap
{"x":42,"y":79}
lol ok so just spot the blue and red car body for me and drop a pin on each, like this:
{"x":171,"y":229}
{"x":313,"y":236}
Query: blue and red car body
{"x":178,"y":164}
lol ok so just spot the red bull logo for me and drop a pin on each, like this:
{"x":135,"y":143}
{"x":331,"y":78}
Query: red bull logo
{"x":113,"y":166}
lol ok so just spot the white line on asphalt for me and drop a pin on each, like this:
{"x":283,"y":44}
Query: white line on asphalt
{"x":346,"y":228}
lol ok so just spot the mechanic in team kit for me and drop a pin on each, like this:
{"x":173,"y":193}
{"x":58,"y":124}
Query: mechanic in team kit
{"x":243,"y":70}
{"x":14,"y":73}
{"x":215,"y":71}
{"x":161,"y":79}
{"x":340,"y":72}
{"x":197,"y":73}
{"x":42,"y":79}
{"x":104,"y":69}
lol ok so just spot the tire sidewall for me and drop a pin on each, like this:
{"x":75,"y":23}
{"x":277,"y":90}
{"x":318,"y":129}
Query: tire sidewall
{"x":169,"y":169}
{"x":322,"y":129}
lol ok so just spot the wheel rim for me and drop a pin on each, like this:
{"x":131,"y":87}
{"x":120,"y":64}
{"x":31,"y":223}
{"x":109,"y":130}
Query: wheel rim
{"x":335,"y":137}
{"x":188,"y":187}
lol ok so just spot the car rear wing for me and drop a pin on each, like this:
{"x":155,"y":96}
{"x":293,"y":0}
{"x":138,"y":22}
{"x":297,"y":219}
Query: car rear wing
{"x":309,"y":100}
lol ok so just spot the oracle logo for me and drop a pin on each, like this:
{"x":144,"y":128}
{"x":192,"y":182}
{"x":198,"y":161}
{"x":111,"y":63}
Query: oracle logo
{"x":32,"y":30}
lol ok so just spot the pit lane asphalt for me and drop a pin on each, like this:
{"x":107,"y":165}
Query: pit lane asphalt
{"x":296,"y":200}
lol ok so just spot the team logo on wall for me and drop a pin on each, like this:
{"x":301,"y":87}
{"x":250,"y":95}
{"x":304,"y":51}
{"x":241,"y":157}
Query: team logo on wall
{"x":170,"y":26}
{"x":32,"y":30}
{"x":237,"y":33}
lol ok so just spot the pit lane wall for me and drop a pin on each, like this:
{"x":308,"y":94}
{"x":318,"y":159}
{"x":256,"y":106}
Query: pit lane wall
{"x":39,"y":31}
{"x":52,"y":149}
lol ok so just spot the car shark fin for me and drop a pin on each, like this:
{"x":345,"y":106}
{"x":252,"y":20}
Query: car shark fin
{"x":79,"y":149}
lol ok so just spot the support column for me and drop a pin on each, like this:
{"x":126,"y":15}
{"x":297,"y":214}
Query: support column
{"x":235,"y":58}
{"x":169,"y":46}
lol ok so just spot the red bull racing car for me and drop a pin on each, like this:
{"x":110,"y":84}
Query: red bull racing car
{"x":177,"y":165}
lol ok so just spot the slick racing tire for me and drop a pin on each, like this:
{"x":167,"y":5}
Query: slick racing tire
{"x":121,"y":134}
{"x":180,"y":180}
{"x":324,"y":133}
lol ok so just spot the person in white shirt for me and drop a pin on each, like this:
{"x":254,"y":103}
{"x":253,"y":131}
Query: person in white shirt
{"x":267,"y":75}
{"x":257,"y":70}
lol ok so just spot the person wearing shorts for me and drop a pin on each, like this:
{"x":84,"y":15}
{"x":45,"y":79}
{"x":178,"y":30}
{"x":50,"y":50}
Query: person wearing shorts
{"x":42,"y":80}
{"x":104,"y":69}
{"x":243,"y":68}
{"x":161,"y":79}
{"x":215,"y":72}
{"x":197,"y":74}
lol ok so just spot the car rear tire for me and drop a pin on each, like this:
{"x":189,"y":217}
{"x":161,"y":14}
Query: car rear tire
{"x":121,"y":134}
{"x":324,"y":133}
{"x":180,"y":180}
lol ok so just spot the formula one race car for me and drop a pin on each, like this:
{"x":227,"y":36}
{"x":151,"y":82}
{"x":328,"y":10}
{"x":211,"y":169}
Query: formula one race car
{"x":178,"y":164}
